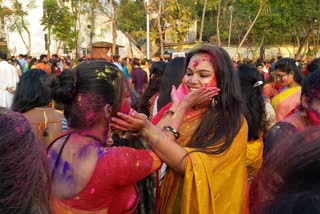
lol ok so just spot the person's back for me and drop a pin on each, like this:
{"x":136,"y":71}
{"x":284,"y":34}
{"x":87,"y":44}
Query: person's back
{"x":139,"y":77}
{"x":87,"y":171}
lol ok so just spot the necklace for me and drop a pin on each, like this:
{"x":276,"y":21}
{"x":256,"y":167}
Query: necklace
{"x":44,"y":127}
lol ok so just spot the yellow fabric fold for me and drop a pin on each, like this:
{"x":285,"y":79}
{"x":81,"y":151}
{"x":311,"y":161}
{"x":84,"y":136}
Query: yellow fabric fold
{"x":285,"y":102}
{"x":254,"y":156}
{"x":212,"y":184}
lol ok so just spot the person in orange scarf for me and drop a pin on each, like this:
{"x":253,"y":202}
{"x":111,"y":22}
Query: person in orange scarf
{"x":289,"y":75}
{"x":202,"y":140}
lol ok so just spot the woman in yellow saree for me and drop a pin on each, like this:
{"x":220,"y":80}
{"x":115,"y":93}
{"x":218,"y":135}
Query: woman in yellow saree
{"x":289,"y":75}
{"x":202,"y":140}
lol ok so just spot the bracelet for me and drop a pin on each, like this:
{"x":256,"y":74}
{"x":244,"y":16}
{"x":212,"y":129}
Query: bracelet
{"x":172,"y":131}
{"x":135,"y":134}
{"x":169,"y":112}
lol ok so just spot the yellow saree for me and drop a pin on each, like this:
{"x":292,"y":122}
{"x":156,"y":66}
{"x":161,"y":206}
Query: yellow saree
{"x":211,"y":183}
{"x":254,"y":156}
{"x":285,"y":102}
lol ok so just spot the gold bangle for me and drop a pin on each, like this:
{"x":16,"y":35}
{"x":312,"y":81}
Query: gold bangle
{"x":134,"y":134}
{"x":172,"y":131}
{"x":169,"y":112}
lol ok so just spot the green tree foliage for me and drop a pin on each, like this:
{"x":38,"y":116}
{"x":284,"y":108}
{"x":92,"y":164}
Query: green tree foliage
{"x":132,"y":19}
{"x":16,"y":21}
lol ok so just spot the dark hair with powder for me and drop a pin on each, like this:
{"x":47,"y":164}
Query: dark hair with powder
{"x":288,"y":181}
{"x":87,"y":89}
{"x":172,"y":75}
{"x":153,"y":87}
{"x":253,"y":97}
{"x":24,"y":173}
{"x":225,"y":120}
{"x":32,"y":91}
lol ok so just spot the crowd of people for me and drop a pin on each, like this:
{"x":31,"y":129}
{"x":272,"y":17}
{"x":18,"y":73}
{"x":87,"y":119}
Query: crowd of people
{"x":196,"y":134}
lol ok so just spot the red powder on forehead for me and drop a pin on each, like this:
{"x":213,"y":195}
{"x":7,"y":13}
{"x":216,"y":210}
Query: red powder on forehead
{"x":205,"y":58}
{"x":195,"y":63}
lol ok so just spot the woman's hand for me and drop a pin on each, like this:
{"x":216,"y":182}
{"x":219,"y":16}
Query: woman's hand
{"x":133,"y":123}
{"x":200,"y":96}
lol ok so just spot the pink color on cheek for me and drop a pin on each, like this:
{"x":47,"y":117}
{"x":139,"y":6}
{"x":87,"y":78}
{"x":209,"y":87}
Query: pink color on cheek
{"x":126,"y":106}
{"x":285,"y":80}
{"x":212,"y":83}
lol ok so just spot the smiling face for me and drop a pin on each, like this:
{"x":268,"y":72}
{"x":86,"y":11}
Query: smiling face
{"x":200,"y":73}
{"x":284,"y":78}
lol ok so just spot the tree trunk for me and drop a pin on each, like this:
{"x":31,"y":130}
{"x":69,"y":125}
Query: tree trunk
{"x":114,"y":36}
{"x":160,"y":31}
{"x":92,"y":26}
{"x":114,"y":27}
{"x":58,"y":46}
{"x":262,"y":48}
{"x":218,"y":23}
{"x":23,"y":40}
{"x":262,"y":3}
{"x":49,"y":41}
{"x":25,"y":28}
{"x":317,"y":43}
{"x":303,"y":42}
{"x":202,"y":20}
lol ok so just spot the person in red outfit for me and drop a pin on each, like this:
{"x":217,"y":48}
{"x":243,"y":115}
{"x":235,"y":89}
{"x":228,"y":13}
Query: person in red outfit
{"x":88,"y":174}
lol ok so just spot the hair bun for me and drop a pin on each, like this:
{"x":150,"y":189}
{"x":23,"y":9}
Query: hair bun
{"x":63,"y":87}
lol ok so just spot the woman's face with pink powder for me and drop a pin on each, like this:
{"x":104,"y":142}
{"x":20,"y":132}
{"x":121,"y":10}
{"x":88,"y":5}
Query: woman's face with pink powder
{"x":284,"y":78}
{"x":200,"y":73}
{"x":126,"y":100}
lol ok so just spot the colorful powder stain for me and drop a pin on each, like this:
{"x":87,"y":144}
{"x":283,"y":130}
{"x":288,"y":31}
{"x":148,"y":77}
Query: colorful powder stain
{"x":212,"y":83}
{"x":195,"y":64}
{"x":314,"y":116}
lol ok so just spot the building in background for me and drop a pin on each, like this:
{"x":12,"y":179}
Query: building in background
{"x":13,"y":42}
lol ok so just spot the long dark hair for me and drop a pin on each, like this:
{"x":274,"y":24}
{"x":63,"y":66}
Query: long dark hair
{"x":87,"y":89}
{"x":225,"y":120}
{"x":253,"y":97}
{"x":172,"y":75}
{"x":24,"y":180}
{"x":156,"y":73}
{"x":287,"y":65}
{"x":32,"y":91}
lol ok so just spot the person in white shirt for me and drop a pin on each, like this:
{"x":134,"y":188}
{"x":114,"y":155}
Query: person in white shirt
{"x":116,"y":59}
{"x":8,"y":81}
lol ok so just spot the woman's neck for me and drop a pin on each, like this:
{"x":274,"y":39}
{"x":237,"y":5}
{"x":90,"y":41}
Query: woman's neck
{"x":98,"y":131}
{"x":293,"y":84}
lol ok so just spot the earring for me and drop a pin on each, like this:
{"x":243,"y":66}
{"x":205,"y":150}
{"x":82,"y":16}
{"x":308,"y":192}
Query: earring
{"x":213,"y":104}
{"x":109,"y":140}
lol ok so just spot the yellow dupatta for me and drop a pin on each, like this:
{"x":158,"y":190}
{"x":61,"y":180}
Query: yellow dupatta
{"x":285,"y":102}
{"x":211,"y":183}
